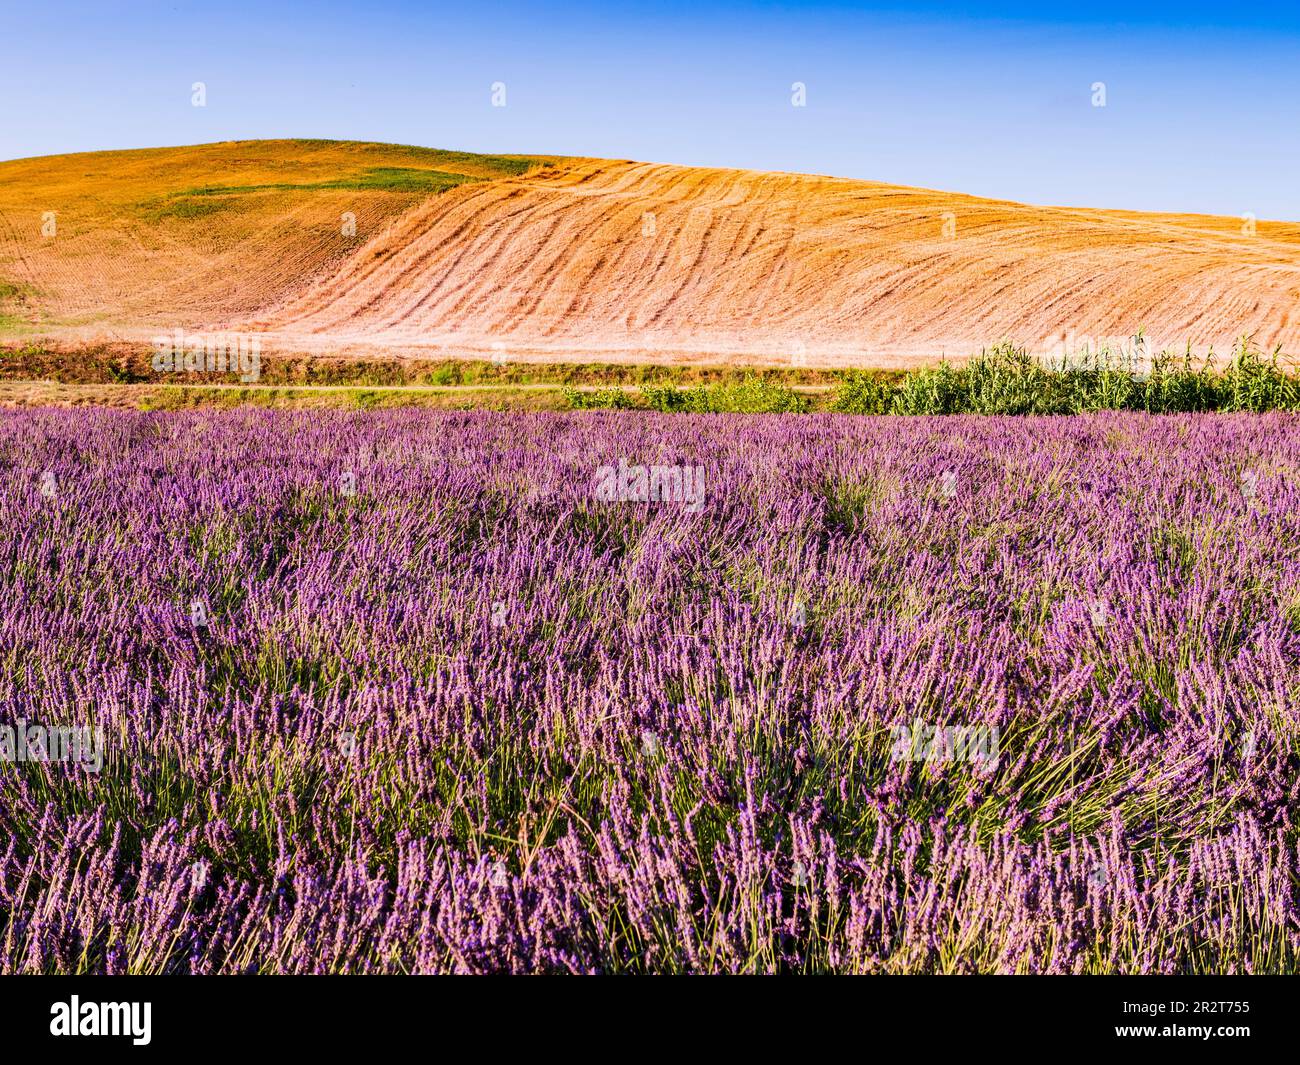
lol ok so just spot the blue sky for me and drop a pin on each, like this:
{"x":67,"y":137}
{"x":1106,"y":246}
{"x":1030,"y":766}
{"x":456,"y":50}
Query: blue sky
{"x":1202,"y":101}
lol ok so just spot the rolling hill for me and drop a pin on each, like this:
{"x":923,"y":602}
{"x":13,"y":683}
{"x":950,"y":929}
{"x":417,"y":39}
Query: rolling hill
{"x":551,"y":257}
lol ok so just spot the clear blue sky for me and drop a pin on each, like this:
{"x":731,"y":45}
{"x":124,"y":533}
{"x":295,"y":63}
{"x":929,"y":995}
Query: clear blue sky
{"x":1203,"y":100}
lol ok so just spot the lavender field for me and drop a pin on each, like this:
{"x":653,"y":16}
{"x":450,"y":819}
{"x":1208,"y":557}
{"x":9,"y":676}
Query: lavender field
{"x":409,"y":692}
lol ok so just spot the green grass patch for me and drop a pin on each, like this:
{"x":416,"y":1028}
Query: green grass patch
{"x":187,"y":209}
{"x":387,"y":178}
{"x":750,"y":395}
{"x":13,"y":302}
{"x":207,"y":200}
{"x":504,"y":165}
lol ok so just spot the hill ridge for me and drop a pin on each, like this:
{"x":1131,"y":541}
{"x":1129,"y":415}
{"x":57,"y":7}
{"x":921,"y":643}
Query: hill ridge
{"x":563,"y":257}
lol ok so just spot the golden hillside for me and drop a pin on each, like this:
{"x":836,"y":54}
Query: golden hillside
{"x":201,"y":235}
{"x":565,"y":258}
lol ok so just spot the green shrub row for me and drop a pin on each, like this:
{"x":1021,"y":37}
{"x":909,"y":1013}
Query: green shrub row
{"x":1006,"y":380}
{"x":1001,"y":380}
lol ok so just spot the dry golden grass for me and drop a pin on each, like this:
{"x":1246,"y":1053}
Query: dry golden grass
{"x":199,"y":236}
{"x":587,"y":259}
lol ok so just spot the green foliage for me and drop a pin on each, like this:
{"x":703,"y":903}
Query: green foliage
{"x":751,"y":395}
{"x":393,"y":178}
{"x":1007,"y":380}
{"x":1255,"y":383}
{"x":365,"y":399}
{"x":862,"y":392}
{"x":513,"y":165}
{"x":930,"y":391}
{"x":207,"y":200}
{"x":598,"y":399}
{"x":1177,"y":386}
{"x":189,"y":207}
